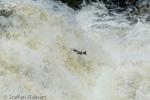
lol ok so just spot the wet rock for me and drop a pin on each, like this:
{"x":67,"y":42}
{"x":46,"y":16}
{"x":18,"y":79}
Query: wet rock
{"x":120,"y":5}
{"x":71,"y":3}
{"x":76,"y":4}
{"x":110,"y":4}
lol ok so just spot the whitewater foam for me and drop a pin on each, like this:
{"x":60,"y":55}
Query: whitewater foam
{"x":36,"y":57}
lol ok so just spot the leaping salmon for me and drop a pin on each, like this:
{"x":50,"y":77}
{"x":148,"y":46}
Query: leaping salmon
{"x":79,"y":52}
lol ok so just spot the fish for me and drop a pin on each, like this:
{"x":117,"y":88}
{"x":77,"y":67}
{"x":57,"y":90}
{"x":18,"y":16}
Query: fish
{"x":79,"y":52}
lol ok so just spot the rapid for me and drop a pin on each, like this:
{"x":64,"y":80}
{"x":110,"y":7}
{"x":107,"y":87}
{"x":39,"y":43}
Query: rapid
{"x":36,"y":38}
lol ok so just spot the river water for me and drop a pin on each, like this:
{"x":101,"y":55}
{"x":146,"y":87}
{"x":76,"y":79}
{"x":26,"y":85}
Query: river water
{"x":36,"y":38}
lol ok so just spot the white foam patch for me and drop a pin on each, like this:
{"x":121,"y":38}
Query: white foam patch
{"x":36,"y":56}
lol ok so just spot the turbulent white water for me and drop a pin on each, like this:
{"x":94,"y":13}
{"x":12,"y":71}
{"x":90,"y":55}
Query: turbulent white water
{"x":36,"y":38}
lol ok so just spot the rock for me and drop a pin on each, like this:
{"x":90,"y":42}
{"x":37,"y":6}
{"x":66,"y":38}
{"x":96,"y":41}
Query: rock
{"x":119,"y":4}
{"x":72,"y":3}
{"x":76,"y":4}
{"x":110,"y":4}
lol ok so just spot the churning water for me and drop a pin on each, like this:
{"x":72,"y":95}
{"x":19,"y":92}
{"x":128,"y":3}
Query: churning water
{"x":36,"y":38}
